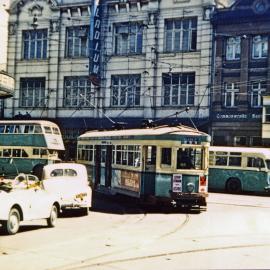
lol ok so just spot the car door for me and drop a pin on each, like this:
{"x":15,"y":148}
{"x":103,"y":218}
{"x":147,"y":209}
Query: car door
{"x":39,"y":200}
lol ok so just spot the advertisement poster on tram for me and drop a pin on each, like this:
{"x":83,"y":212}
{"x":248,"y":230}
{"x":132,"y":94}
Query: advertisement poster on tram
{"x":177,"y":183}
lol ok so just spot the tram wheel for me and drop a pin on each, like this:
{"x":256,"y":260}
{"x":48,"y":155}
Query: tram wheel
{"x":233,"y":185}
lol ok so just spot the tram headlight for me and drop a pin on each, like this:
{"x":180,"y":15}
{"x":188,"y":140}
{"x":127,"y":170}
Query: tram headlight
{"x":190,"y":187}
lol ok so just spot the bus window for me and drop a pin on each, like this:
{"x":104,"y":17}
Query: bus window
{"x":9,"y":129}
{"x":221,"y":158}
{"x":56,"y":131}
{"x":255,"y":162}
{"x":24,"y":154}
{"x":29,"y":129}
{"x":166,"y":156}
{"x":2,"y":129}
{"x":48,"y":130}
{"x":7,"y":152}
{"x":235,"y":159}
{"x":18,"y":129}
{"x":43,"y":152}
{"x":16,"y":152}
{"x":35,"y":151}
{"x":37,"y":129}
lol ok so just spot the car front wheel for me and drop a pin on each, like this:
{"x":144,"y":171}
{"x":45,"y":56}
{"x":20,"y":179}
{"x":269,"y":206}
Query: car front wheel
{"x":12,"y":225}
{"x":53,"y":217}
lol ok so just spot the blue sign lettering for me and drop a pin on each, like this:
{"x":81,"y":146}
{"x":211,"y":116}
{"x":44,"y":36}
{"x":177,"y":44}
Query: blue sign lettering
{"x":95,"y":43}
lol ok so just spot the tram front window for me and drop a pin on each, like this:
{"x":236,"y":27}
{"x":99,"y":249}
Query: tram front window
{"x":189,"y":158}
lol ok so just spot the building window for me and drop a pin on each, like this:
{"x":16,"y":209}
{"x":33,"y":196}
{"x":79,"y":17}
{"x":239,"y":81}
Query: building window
{"x":256,"y":141}
{"x":233,"y":48}
{"x":126,"y":90}
{"x":257,"y":89}
{"x":178,"y":89}
{"x":231,"y":95}
{"x":267,"y":114}
{"x":259,"y":47}
{"x":240,"y":141}
{"x":77,"y":92}
{"x":180,"y":35}
{"x":35,"y":44}
{"x":128,"y":38}
{"x":32,"y":92}
{"x":77,"y":41}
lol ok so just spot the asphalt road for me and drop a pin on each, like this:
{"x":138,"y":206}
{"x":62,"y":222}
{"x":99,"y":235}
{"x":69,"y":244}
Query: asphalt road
{"x":234,"y":233}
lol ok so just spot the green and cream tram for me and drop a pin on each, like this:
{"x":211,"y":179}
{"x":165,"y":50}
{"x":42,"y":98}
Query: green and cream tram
{"x":160,"y":165}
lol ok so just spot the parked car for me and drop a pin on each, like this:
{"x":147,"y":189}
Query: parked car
{"x":24,"y":198}
{"x":69,"y":181}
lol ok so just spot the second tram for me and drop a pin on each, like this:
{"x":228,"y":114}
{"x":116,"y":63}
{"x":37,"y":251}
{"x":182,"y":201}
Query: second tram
{"x":158,"y":165}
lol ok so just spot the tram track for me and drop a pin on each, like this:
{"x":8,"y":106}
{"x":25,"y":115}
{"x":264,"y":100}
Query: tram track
{"x":90,"y":262}
{"x":160,"y":255}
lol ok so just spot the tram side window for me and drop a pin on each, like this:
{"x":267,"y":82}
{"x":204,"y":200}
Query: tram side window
{"x":118,"y":154}
{"x":189,"y":159}
{"x":151,"y":155}
{"x":166,"y":156}
{"x":103,"y":153}
{"x":255,"y":162}
{"x":124,"y":155}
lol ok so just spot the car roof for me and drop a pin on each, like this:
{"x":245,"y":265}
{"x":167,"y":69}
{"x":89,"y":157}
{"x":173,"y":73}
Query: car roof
{"x":62,"y":165}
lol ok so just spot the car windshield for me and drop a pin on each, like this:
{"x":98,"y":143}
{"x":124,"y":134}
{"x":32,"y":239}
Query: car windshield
{"x":21,"y":181}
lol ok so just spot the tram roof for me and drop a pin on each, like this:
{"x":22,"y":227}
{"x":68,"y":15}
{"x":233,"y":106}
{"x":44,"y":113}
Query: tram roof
{"x":28,"y":122}
{"x":255,"y":150}
{"x":152,"y":131}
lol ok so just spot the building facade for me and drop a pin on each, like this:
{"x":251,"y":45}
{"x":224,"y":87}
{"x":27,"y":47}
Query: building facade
{"x":241,"y":74}
{"x":155,"y":63}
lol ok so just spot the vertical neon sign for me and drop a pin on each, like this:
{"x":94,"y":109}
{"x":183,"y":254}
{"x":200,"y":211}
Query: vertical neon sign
{"x":95,"y":43}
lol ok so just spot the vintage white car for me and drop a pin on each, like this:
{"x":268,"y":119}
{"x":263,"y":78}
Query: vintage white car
{"x":69,"y":181}
{"x":24,"y":198}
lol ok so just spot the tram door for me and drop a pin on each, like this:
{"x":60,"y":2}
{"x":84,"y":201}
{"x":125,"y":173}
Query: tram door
{"x":97,"y":165}
{"x":103,"y":165}
{"x":108,"y":166}
{"x":150,"y":153}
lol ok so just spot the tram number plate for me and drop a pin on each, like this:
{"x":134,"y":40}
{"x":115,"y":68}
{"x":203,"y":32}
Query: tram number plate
{"x":177,"y":183}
